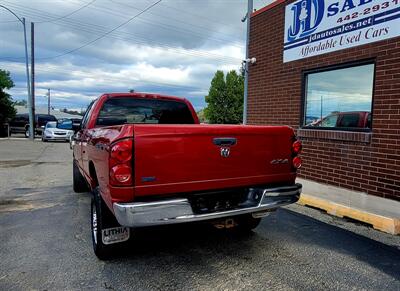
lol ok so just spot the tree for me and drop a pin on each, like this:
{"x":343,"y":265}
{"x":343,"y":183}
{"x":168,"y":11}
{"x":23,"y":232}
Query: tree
{"x":200,"y":115}
{"x":7,"y":110}
{"x":225,"y":98}
{"x":21,"y":103}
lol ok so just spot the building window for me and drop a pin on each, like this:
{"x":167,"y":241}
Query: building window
{"x":339,"y":98}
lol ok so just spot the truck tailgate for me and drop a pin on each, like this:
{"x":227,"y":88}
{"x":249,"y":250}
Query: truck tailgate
{"x":187,"y":158}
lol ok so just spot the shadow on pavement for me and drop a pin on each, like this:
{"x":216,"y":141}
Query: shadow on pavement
{"x":280,"y":237}
{"x":51,"y":248}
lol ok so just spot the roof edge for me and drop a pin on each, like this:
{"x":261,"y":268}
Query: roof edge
{"x":268,"y":7}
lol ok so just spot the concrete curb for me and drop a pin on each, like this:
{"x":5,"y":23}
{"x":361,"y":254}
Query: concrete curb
{"x":386,"y":224}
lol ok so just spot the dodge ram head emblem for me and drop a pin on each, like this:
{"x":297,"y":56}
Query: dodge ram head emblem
{"x":225,"y":152}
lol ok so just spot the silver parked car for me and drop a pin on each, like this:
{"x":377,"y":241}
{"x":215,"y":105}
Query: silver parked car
{"x":53,"y":132}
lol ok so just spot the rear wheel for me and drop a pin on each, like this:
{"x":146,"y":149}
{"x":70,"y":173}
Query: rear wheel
{"x":27,"y":133}
{"x":107,"y":233}
{"x":247,"y":222}
{"x":79,"y":183}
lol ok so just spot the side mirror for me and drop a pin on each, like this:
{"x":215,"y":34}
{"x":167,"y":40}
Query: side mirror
{"x":42,"y":127}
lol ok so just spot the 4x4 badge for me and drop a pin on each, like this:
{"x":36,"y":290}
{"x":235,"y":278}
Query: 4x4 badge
{"x":279,"y":161}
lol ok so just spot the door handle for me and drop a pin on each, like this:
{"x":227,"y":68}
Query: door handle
{"x":224,"y":141}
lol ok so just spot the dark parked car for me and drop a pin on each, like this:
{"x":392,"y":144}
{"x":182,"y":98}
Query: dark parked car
{"x":3,"y":129}
{"x":70,"y":123}
{"x":20,"y":123}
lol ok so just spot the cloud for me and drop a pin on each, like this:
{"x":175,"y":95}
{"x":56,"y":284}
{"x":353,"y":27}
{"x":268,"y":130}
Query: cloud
{"x":175,"y":48}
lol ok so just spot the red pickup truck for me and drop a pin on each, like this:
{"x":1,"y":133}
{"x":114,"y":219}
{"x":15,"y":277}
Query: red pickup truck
{"x":148,"y":161}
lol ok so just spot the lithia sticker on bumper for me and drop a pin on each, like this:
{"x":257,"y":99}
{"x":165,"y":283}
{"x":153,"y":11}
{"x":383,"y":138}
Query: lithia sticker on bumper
{"x":115,"y":235}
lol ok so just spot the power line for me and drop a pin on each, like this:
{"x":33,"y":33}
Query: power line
{"x":216,"y":58}
{"x":106,"y":33}
{"x":167,"y":27}
{"x":196,"y":15}
{"x":96,"y":29}
{"x":54,"y":69}
{"x":69,"y":14}
{"x":9,"y":21}
{"x":184,"y":23}
{"x":177,"y":9}
{"x":58,"y":18}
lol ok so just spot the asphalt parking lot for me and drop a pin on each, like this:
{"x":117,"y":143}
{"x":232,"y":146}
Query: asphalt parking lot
{"x":46,"y":245}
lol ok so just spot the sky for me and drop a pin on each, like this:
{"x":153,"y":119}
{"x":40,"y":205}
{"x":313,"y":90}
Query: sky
{"x":174,"y":47}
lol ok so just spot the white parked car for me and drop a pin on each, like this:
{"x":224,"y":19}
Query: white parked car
{"x":52,"y":132}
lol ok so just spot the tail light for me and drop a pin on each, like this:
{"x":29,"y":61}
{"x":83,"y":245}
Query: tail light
{"x":297,"y":162}
{"x":296,"y":150}
{"x":297,"y":146}
{"x":120,"y":163}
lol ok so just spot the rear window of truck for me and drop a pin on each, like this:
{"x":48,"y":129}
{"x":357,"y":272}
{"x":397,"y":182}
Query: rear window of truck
{"x":349,"y":120}
{"x":117,"y":111}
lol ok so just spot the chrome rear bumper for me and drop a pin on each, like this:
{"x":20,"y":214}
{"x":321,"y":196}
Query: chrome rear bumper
{"x":141,"y":214}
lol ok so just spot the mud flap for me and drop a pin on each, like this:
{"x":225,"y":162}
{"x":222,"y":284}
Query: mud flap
{"x":115,"y":235}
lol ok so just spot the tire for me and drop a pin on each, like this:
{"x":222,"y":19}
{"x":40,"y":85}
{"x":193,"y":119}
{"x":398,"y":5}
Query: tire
{"x":27,"y":132}
{"x":78,"y":181}
{"x":102,"y":219}
{"x":247,"y":222}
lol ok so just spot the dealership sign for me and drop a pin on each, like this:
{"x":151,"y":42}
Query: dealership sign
{"x":315,"y":27}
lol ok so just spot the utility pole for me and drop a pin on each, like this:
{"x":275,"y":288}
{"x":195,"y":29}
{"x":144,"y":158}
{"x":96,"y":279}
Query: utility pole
{"x":247,"y":63}
{"x":22,"y":20}
{"x":48,"y":101}
{"x":321,"y":108}
{"x":33,"y":71}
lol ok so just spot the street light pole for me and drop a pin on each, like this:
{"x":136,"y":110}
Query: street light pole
{"x":28,"y":85}
{"x":30,"y":105}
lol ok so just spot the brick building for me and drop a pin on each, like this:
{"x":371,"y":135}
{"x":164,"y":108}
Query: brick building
{"x":339,"y":88}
